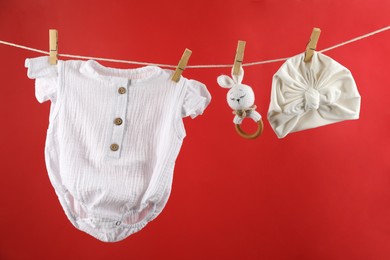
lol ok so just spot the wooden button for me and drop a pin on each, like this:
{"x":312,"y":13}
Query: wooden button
{"x":114,"y":147}
{"x":118,"y":121}
{"x":122,"y":90}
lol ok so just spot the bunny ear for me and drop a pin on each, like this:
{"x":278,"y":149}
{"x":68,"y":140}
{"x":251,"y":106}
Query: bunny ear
{"x":239,"y":77}
{"x":225,"y":81}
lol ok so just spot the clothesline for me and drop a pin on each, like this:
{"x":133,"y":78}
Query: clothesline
{"x":192,"y":66}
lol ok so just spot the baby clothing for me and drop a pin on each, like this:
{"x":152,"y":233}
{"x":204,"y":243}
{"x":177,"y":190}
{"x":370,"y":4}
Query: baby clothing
{"x":112,"y":140}
{"x":305,"y":95}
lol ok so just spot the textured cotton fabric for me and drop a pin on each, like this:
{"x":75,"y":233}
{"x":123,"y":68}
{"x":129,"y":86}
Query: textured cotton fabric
{"x":113,"y":139}
{"x":306,"y":95}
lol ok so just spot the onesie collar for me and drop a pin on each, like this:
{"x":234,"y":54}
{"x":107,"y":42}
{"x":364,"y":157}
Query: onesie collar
{"x":96,"y":69}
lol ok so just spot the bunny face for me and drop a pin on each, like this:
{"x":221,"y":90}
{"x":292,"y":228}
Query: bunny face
{"x":240,"y":97}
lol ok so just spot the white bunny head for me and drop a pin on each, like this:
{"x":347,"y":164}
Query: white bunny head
{"x":240,"y":96}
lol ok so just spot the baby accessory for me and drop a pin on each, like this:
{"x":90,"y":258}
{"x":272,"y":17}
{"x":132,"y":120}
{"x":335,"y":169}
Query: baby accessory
{"x":112,"y":140}
{"x":306,"y":95}
{"x":241,"y":97}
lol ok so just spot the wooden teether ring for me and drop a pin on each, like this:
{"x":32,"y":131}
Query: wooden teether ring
{"x":251,"y":136}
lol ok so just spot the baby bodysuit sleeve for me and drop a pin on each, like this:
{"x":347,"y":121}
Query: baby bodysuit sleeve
{"x":46,"y":78}
{"x":196,"y":99}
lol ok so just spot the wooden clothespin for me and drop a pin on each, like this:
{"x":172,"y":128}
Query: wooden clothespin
{"x":239,"y":57}
{"x":53,"y":43}
{"x":182,"y":65}
{"x":312,"y":45}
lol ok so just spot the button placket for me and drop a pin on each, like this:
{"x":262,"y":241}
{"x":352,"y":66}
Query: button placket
{"x":117,"y":122}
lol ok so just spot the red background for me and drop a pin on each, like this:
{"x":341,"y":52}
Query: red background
{"x":316,"y":194}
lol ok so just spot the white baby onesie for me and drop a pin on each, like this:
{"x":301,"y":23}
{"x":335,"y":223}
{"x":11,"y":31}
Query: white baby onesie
{"x":112,"y":140}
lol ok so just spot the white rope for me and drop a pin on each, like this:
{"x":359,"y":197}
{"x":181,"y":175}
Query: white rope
{"x":23,"y":47}
{"x":356,"y":39}
{"x":192,"y":66}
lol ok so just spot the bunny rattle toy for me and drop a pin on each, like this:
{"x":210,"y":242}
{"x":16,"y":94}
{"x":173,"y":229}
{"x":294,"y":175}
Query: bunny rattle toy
{"x":241,"y":99}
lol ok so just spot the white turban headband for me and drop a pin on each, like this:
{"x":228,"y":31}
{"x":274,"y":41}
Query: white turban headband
{"x":311,"y":94}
